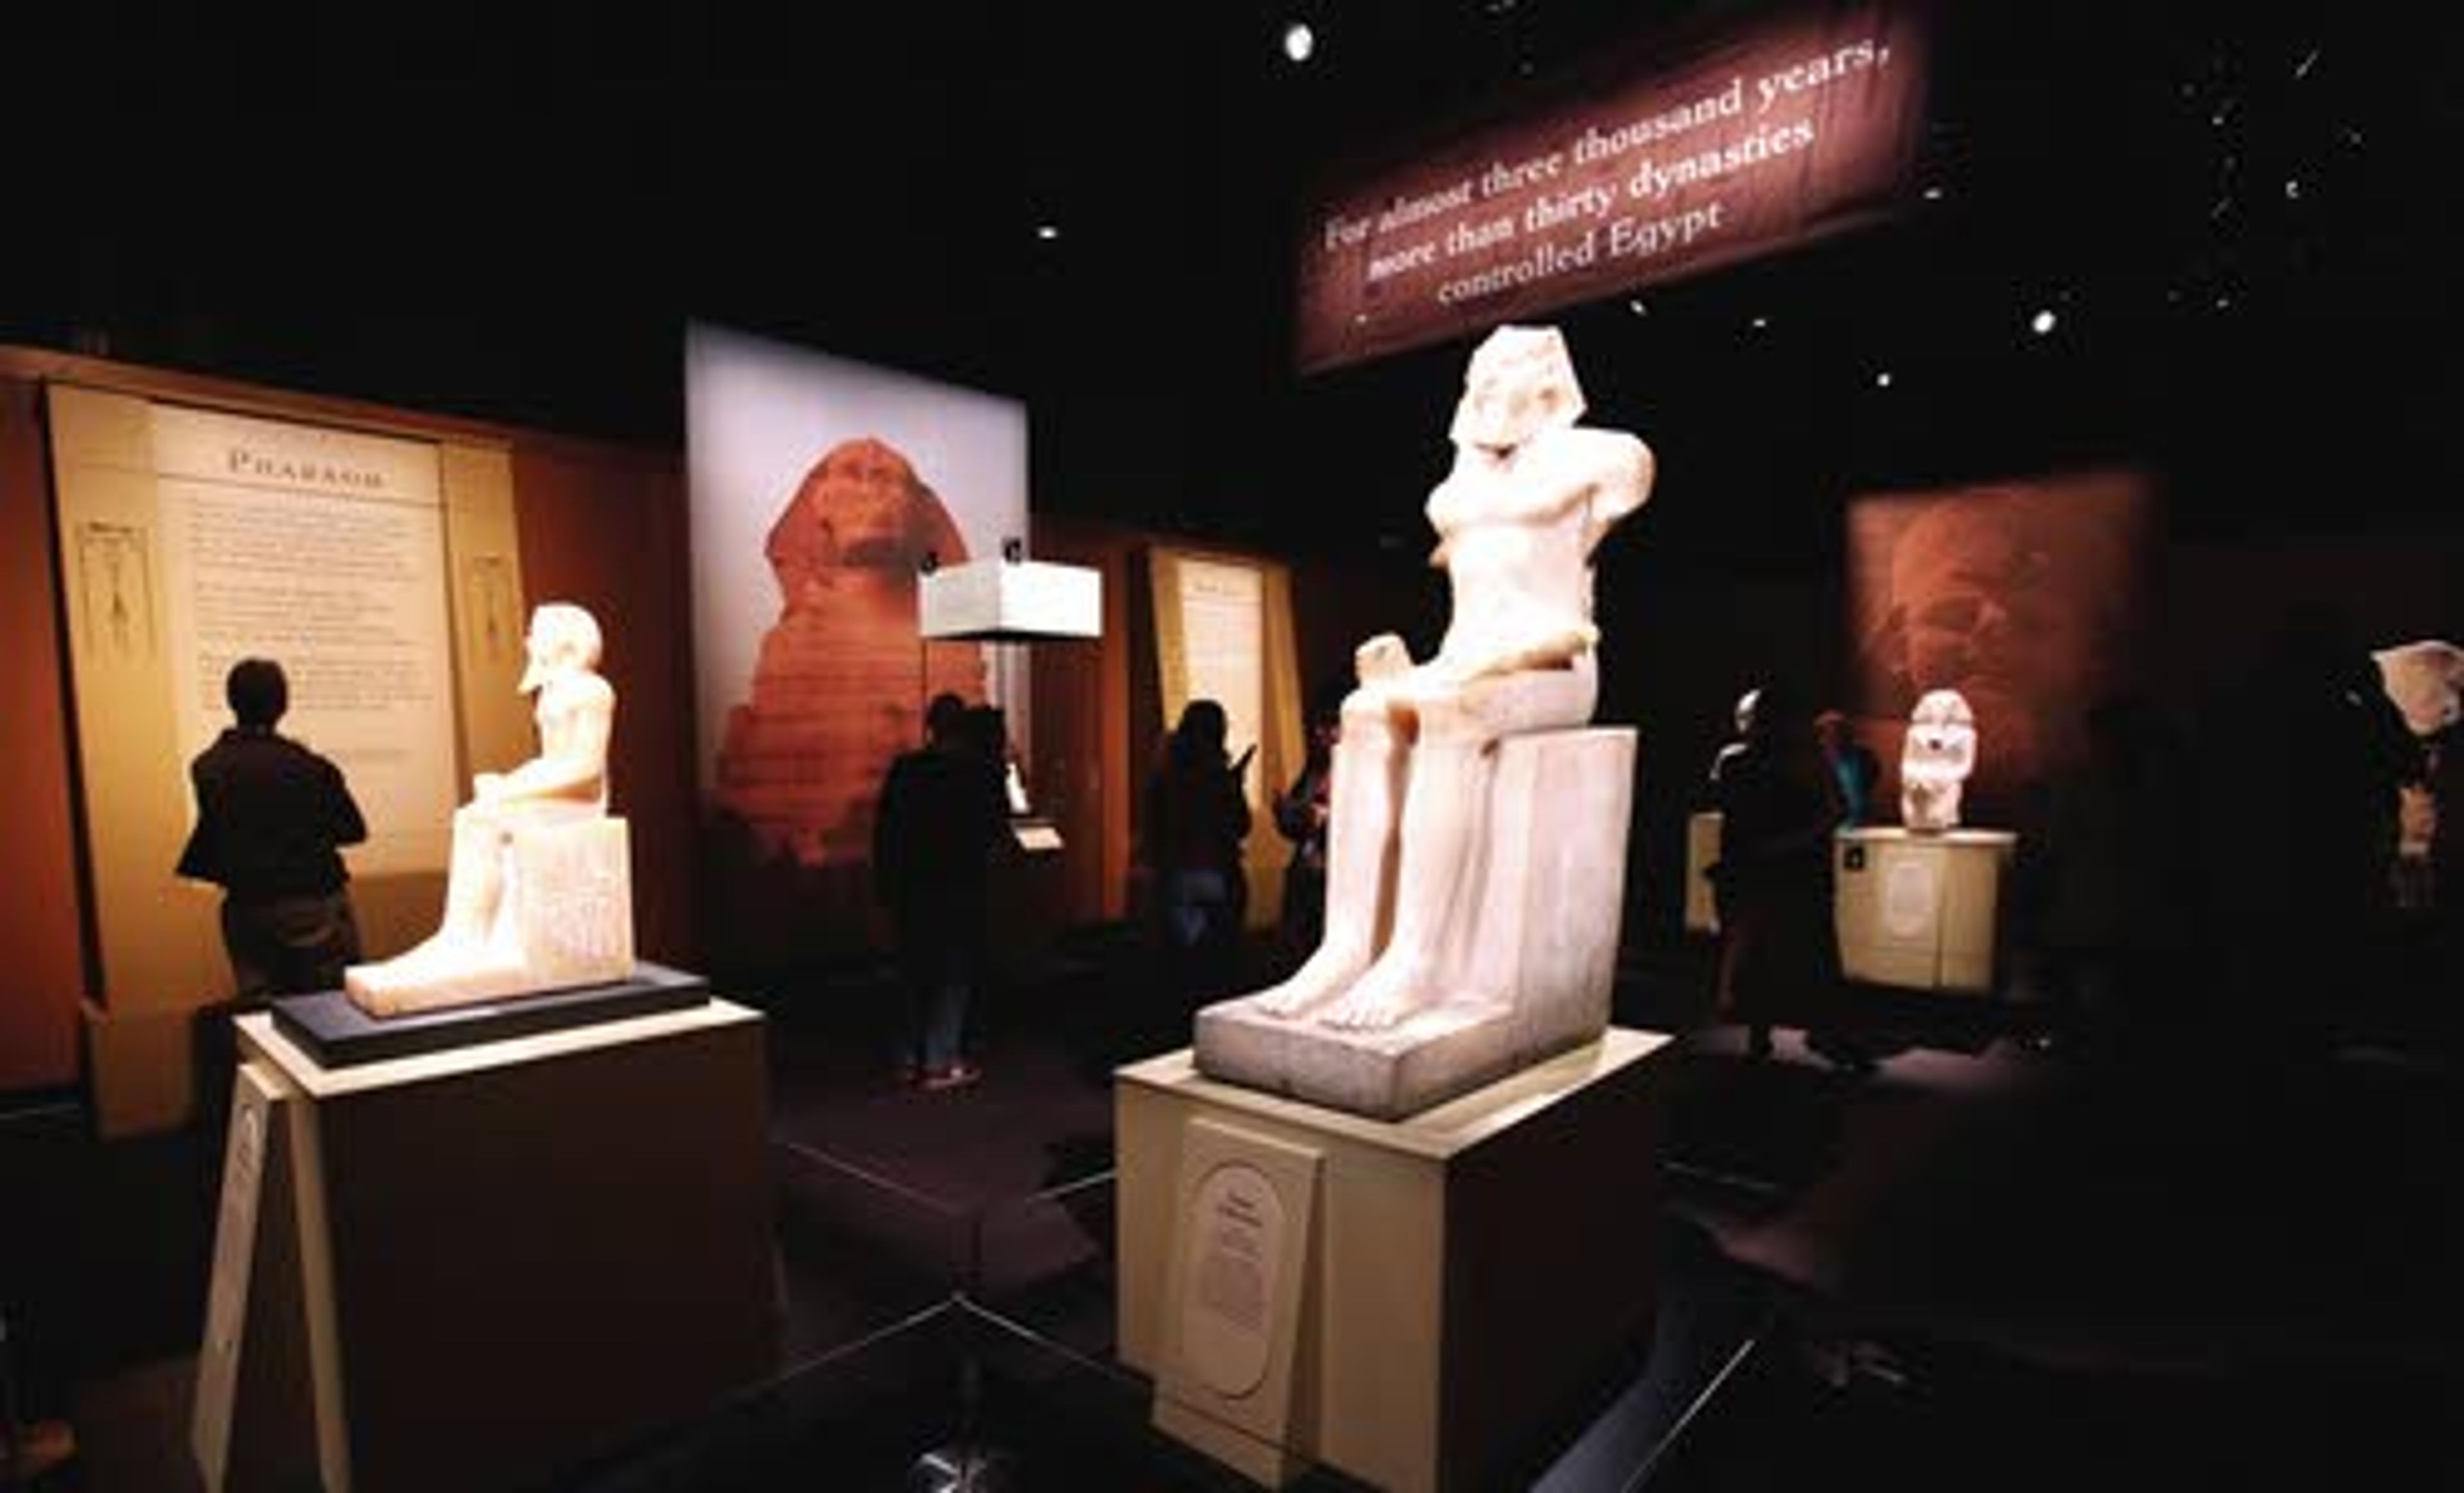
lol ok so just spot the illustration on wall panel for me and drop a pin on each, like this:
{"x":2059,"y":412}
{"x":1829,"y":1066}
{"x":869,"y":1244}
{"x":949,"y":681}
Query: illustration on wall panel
{"x":841,"y":679}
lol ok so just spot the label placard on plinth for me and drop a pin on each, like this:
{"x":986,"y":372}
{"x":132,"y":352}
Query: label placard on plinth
{"x":1247,"y":1205}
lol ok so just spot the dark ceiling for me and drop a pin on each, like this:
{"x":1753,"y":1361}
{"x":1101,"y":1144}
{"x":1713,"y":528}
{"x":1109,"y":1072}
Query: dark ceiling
{"x":510,"y":210}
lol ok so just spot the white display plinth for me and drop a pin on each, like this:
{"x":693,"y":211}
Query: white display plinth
{"x":472,"y":1268}
{"x":1019,"y":600}
{"x":1408,"y":1301}
{"x":1701,"y":848}
{"x":1921,"y":911}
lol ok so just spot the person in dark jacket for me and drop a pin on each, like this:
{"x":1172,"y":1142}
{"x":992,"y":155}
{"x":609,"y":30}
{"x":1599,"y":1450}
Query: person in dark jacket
{"x":1779,"y":806}
{"x":1303,"y":813}
{"x":1197,"y":817}
{"x":942,"y":820}
{"x":271,"y":817}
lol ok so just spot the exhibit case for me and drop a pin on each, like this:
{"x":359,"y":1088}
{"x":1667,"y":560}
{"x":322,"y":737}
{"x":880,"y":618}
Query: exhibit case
{"x":1920,"y":910}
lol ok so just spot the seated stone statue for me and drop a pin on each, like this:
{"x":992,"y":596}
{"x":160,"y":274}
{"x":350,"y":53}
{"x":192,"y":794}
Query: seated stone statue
{"x":1415,"y":885}
{"x":539,"y":894}
{"x":1935,"y":759}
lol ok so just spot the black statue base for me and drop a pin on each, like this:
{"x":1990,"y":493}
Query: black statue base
{"x":339,"y":1035}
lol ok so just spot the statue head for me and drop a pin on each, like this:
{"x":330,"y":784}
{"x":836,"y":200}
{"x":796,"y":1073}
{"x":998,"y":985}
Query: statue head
{"x":1521,"y":381}
{"x":2425,"y":681}
{"x":1941,"y":745}
{"x":563,"y":639}
{"x":1935,"y":759}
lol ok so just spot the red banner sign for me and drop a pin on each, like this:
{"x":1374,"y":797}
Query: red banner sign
{"x":1658,"y":168}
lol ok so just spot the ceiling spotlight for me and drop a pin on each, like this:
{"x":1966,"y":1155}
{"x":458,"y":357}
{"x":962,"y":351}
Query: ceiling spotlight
{"x":2042,"y":324}
{"x":1299,"y":42}
{"x":1883,"y":379}
{"x":1761,"y":323}
{"x":1933,"y":194}
{"x":1048,"y":232}
{"x":2293,"y":189}
{"x":1639,"y":306}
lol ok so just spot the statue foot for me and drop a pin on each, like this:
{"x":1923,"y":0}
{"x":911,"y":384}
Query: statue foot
{"x":1327,"y":971}
{"x":1392,"y":991}
{"x":447,"y":967}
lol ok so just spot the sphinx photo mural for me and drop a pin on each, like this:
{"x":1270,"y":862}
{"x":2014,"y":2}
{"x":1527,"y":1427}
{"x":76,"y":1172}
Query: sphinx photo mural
{"x":821,"y":489}
{"x":2022,"y":596}
{"x":798,"y":765}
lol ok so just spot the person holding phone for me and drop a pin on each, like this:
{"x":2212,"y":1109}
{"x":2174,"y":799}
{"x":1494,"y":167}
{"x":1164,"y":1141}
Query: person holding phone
{"x":1196,"y":818}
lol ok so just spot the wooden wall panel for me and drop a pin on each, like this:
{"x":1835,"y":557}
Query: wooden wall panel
{"x":39,"y":923}
{"x":607,"y":529}
{"x":1081,"y":756}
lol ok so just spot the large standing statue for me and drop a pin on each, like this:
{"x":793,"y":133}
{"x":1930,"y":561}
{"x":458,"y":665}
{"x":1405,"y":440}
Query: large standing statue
{"x":1530,"y":496}
{"x":539,"y":891}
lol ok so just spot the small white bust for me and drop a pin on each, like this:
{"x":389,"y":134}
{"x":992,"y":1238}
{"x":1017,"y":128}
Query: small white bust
{"x":1939,"y":754}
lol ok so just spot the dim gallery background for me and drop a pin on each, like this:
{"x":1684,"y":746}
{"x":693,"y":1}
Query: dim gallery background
{"x":2176,"y":252}
{"x":2175,"y":279}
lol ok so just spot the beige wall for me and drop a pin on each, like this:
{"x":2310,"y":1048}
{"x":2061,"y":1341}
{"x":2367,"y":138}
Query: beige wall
{"x":560,"y":519}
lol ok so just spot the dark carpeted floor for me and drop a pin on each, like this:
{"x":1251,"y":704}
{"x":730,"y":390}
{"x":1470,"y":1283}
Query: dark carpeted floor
{"x":1984,"y":1265}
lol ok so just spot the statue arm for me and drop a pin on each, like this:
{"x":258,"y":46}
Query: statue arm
{"x":1628,"y":470}
{"x":575,"y":767}
{"x":1601,"y":476}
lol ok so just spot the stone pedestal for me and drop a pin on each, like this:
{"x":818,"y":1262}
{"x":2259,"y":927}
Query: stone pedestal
{"x":1921,"y":911}
{"x":1531,"y":951}
{"x":1414,"y":1304}
{"x":480,"y":1269}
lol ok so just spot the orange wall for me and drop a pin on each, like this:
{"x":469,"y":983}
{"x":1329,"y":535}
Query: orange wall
{"x":39,"y":919}
{"x":603,"y":525}
{"x":606,"y":527}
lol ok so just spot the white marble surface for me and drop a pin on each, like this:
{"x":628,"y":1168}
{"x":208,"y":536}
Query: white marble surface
{"x":1527,"y":971}
{"x":540,"y":892}
{"x":1430,"y":829}
{"x":1935,"y":760}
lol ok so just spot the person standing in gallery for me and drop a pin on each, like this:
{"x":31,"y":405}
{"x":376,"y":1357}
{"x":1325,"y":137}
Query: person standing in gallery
{"x":1855,"y":770}
{"x":1196,"y":818}
{"x":941,"y":820}
{"x":1301,"y":813}
{"x":1780,"y":948}
{"x":272,"y":816}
